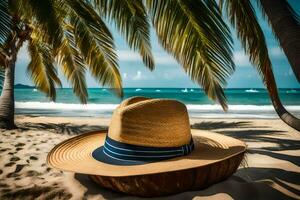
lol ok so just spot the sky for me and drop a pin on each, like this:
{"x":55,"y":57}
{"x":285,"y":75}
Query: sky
{"x":168,"y":73}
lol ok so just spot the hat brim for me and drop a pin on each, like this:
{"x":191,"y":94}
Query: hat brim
{"x":75,"y":154}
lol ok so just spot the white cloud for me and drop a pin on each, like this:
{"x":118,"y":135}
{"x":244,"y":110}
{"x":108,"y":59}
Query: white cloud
{"x":125,"y":75}
{"x":241,"y":59}
{"x":159,"y":58}
{"x":125,"y":55}
{"x":164,"y":59}
{"x":138,"y":76}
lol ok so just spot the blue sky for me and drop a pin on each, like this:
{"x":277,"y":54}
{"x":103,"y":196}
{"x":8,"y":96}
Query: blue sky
{"x":170,"y":74}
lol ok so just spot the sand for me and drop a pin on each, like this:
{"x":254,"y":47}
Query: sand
{"x":272,"y":171}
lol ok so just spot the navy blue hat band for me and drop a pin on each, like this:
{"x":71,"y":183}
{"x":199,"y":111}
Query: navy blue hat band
{"x":126,"y":152}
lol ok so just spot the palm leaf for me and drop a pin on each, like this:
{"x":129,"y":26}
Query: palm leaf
{"x":41,"y":15}
{"x":5,"y":21}
{"x":195,"y":34}
{"x":131,"y":19}
{"x":1,"y":77}
{"x":2,"y":67}
{"x":95,"y":44}
{"x":73,"y":65}
{"x":41,"y":68}
{"x":242,"y":16}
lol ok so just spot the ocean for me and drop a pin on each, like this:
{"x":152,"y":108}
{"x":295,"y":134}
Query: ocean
{"x":242,"y":103}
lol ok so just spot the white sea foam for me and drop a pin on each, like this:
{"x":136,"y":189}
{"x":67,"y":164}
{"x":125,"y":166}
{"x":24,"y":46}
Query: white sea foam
{"x":191,"y":107}
{"x":239,"y":107}
{"x":64,"y":106}
{"x":251,"y":91}
{"x":138,"y":89}
{"x":185,"y":90}
{"x":291,"y":91}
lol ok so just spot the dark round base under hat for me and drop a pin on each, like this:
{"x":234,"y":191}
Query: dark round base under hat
{"x":161,"y":184}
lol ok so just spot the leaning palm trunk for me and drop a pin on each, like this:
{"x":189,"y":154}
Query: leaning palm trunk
{"x":7,"y":105}
{"x":287,"y":117}
{"x":285,"y":24}
{"x":242,"y":16}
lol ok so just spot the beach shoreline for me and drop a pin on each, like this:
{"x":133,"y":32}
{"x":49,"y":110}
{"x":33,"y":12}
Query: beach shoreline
{"x":272,"y":171}
{"x":242,"y":103}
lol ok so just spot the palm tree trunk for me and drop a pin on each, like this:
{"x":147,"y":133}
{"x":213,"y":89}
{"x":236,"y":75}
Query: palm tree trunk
{"x":286,"y":29}
{"x":7,"y":101}
{"x":284,"y":115}
{"x":8,"y":60}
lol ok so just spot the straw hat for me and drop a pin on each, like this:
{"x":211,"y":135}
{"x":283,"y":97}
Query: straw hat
{"x":150,"y":150}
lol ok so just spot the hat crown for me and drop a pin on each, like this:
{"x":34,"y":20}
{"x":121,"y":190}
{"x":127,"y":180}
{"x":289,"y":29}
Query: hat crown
{"x":151,"y":122}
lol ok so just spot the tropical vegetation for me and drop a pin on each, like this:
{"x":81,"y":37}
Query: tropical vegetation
{"x":72,"y":35}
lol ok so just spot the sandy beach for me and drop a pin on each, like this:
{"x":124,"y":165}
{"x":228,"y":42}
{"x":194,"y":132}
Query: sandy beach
{"x":272,"y":170}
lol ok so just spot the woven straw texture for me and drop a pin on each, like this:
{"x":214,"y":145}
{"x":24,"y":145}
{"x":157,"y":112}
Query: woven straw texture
{"x":75,"y":155}
{"x":151,"y":122}
{"x":146,"y":122}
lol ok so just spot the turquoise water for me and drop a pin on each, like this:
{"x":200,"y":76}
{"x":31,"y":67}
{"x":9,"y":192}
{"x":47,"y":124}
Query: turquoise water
{"x":242,"y":102}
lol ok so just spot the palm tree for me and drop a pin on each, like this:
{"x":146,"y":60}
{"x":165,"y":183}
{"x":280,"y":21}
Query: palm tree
{"x":190,"y":36}
{"x":68,"y":34}
{"x":193,"y":31}
{"x":72,"y":34}
{"x":242,"y":16}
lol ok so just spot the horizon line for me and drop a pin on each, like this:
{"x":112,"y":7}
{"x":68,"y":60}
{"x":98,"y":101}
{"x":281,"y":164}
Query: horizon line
{"x":164,"y":87}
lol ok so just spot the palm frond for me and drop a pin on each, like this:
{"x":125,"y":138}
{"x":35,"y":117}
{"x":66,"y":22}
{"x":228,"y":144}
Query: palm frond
{"x":242,"y":16}
{"x":3,"y":56}
{"x":42,"y":69}
{"x":42,"y":15}
{"x":195,"y":34}
{"x":131,"y":19}
{"x":95,"y":44}
{"x":1,"y":77}
{"x":5,"y":21}
{"x":73,"y":65}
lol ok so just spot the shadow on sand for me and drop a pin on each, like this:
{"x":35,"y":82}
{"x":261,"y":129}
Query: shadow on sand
{"x":260,"y":183}
{"x":62,"y":128}
{"x":257,"y":181}
{"x":251,"y":133}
